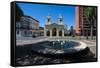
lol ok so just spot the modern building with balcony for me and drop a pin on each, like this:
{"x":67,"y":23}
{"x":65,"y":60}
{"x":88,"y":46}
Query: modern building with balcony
{"x":83,"y":26}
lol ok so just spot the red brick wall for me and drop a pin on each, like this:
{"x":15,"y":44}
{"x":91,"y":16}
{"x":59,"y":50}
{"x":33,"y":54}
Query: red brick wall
{"x":77,"y":19}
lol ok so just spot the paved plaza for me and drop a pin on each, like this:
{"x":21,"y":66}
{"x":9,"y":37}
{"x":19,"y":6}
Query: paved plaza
{"x":26,"y":56}
{"x":29,"y":40}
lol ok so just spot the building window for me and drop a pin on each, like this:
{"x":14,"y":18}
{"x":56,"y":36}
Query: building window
{"x":25,"y":32}
{"x":48,"y":33}
{"x":17,"y":31}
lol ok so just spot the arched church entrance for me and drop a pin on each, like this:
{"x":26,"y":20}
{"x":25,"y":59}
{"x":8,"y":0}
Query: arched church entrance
{"x":60,"y":33}
{"x":54,"y":32}
{"x":48,"y":33}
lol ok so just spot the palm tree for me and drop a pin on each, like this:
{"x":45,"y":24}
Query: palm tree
{"x":89,"y":15}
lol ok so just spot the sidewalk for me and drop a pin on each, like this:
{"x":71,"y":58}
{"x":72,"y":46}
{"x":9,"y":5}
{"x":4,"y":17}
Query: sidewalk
{"x":92,"y":45}
{"x":90,"y":42}
{"x":30,"y":40}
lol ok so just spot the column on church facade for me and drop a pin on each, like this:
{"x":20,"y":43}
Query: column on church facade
{"x":50,"y":32}
{"x":57,"y":32}
{"x":62,"y":32}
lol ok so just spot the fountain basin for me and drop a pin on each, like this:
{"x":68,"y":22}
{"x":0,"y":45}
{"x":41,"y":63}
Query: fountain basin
{"x":58,"y":47}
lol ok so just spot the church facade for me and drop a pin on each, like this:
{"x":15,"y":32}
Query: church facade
{"x":54,"y":29}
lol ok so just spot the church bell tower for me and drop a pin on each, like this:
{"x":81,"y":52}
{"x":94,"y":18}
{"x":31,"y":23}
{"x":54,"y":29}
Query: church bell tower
{"x":60,"y":20}
{"x":48,"y":19}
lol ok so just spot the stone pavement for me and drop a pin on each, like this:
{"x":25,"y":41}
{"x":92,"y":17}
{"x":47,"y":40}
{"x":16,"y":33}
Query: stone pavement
{"x":92,"y":45}
{"x":29,"y":40}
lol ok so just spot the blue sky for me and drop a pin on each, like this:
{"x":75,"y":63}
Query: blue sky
{"x":41,"y":11}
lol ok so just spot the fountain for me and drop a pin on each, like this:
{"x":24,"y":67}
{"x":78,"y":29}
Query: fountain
{"x":59,"y":48}
{"x":57,"y":51}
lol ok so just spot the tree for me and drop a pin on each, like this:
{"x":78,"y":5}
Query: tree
{"x":89,"y":13}
{"x":65,"y":29}
{"x":72,"y":32}
{"x":18,"y":12}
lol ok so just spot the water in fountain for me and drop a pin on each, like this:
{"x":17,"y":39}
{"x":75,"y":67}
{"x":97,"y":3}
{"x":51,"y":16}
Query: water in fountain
{"x":62,"y":44}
